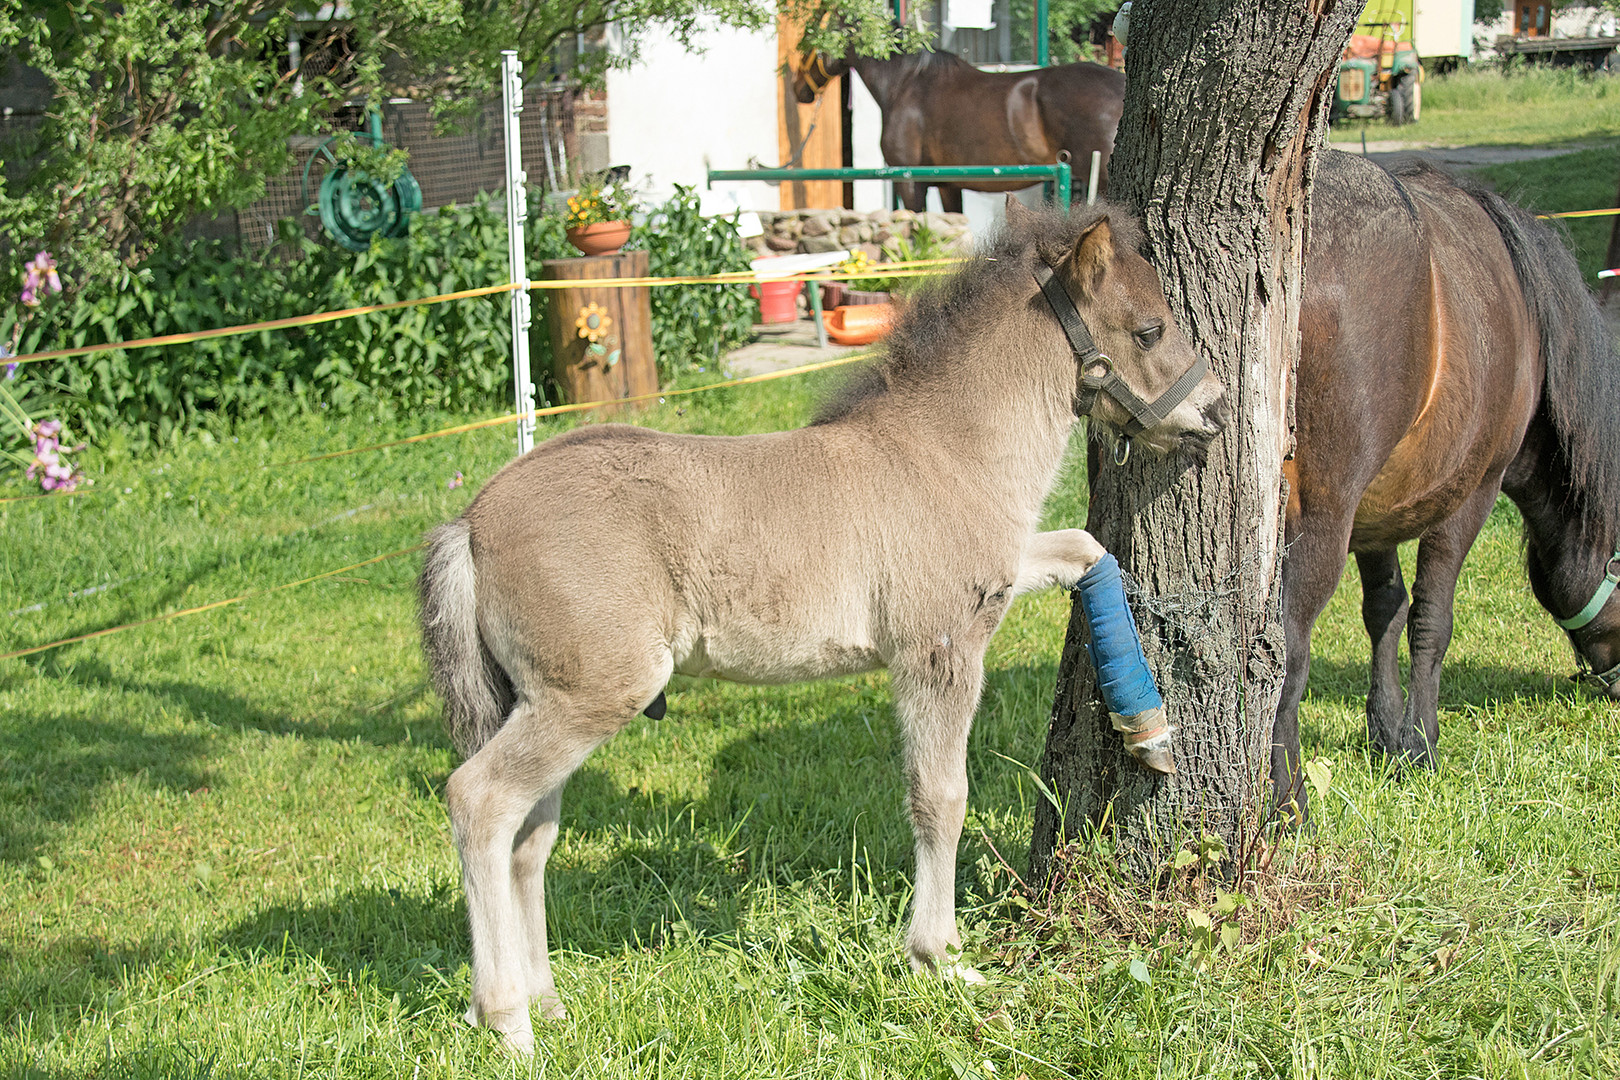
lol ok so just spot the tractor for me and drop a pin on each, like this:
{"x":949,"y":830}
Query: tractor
{"x":1380,"y":74}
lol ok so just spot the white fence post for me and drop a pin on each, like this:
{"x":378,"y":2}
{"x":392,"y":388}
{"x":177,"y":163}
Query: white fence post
{"x":517,"y":212}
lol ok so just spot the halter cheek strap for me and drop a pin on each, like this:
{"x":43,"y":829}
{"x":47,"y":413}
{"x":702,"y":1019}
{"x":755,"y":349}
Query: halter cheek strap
{"x":1088,"y":358}
{"x":1611,"y":578}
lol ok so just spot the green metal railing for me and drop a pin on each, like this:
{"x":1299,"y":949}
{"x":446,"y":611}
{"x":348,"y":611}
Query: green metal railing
{"x":1057,"y":178}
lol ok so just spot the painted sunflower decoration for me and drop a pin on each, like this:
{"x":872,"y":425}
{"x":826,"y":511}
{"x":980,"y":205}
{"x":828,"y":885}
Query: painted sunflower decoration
{"x":593,"y":322}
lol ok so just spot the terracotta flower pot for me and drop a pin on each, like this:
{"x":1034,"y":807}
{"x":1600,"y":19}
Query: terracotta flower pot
{"x":603,"y":238}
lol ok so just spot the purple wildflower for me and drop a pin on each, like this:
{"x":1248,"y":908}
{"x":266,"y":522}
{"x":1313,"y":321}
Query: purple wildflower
{"x":454,"y":482}
{"x":39,"y":275}
{"x":48,"y":468}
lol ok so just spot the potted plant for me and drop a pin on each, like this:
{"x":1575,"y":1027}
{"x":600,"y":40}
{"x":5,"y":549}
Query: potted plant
{"x":598,"y":218}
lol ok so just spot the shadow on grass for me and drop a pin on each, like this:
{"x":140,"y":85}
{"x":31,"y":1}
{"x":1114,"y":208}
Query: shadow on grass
{"x":56,"y":761}
{"x":1463,"y":684}
{"x":789,"y":806}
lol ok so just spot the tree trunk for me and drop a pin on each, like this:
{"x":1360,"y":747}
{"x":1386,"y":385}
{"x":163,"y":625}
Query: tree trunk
{"x":1225,"y":116}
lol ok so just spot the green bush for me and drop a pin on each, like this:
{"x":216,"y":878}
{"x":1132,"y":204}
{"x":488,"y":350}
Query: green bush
{"x":450,"y":356}
{"x":694,"y":324}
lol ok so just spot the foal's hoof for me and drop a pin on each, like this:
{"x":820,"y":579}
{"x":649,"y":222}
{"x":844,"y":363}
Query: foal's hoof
{"x":551,"y":1007}
{"x":517,"y":1035}
{"x":962,"y":973}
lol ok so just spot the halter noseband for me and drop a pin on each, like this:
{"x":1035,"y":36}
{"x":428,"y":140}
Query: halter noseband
{"x":1144,"y":414}
{"x":1611,"y":578}
{"x":817,"y":60}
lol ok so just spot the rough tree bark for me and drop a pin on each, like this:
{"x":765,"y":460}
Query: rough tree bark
{"x":1225,"y":115}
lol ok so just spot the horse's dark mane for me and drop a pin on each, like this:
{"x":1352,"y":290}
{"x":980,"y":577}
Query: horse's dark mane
{"x":1581,"y":391}
{"x":932,"y":324}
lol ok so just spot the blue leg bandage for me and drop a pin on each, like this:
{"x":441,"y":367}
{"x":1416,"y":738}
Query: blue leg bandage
{"x":1134,"y":705}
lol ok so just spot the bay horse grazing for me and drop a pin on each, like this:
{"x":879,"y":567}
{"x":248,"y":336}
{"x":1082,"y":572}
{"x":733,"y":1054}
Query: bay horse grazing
{"x":938,"y":109}
{"x":892,"y":532}
{"x":1450,"y":350}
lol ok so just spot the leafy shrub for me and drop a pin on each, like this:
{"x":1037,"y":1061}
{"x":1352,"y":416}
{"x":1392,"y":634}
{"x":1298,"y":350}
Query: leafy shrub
{"x":450,"y":356}
{"x":694,"y":324}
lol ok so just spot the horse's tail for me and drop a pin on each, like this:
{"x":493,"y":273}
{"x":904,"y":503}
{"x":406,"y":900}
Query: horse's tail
{"x":477,"y":692}
{"x":1581,"y":391}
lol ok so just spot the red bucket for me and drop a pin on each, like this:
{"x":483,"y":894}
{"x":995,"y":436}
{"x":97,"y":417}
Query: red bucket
{"x":778,"y":300}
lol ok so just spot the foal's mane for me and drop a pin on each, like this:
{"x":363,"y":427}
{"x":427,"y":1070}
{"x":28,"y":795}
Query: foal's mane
{"x":1581,"y":391}
{"x":927,"y":338}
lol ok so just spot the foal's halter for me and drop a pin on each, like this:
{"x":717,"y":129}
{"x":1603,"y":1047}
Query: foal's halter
{"x":1087,"y":358}
{"x":1611,"y":578}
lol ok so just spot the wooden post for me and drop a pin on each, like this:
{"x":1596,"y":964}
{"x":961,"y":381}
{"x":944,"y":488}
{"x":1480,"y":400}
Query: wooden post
{"x":620,"y":363}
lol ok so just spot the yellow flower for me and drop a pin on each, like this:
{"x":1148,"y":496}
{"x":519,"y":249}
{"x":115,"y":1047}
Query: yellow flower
{"x":593,"y":322}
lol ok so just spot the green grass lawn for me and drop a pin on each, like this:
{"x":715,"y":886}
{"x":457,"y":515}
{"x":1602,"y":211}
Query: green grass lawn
{"x":1529,"y":106}
{"x":223,"y":850}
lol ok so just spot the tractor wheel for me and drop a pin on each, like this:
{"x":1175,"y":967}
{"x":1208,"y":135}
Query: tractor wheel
{"x":1403,"y":99}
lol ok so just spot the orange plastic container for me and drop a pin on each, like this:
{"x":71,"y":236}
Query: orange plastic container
{"x":859,"y":324}
{"x":778,"y":300}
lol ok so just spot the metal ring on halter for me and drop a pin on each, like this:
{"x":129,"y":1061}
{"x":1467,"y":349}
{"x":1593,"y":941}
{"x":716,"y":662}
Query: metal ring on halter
{"x":1122,"y":450}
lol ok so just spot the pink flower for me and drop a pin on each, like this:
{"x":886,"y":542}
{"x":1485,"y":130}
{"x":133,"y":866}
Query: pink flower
{"x":39,"y":275}
{"x":454,"y":482}
{"x":48,"y":467}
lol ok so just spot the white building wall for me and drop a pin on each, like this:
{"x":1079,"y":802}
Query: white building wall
{"x":675,"y":114}
{"x":1444,"y":28}
{"x":865,"y":131}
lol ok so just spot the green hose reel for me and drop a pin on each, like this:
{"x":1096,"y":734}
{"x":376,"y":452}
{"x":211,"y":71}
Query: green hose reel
{"x":354,"y":207}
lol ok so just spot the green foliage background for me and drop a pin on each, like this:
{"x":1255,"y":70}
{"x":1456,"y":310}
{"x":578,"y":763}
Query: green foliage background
{"x":451,"y":356}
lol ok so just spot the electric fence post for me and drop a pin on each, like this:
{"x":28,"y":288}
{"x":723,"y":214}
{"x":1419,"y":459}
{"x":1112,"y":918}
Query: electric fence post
{"x":517,"y":212}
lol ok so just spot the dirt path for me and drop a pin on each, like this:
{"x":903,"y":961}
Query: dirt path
{"x":1455,"y":157}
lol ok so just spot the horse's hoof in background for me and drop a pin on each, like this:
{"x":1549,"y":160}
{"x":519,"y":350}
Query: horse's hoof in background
{"x":551,"y":1008}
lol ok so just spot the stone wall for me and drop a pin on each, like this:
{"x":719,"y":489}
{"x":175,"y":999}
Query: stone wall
{"x":879,"y":233}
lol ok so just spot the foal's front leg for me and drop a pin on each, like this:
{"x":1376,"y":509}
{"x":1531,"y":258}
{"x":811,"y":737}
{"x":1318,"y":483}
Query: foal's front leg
{"x":1057,"y":558}
{"x":936,"y":691}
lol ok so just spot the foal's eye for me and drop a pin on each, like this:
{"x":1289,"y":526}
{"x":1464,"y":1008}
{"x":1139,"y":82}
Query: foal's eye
{"x":1149,"y":336}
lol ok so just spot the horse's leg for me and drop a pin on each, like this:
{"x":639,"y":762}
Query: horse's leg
{"x":1056,"y":558}
{"x":529,"y":854}
{"x":950,"y":198}
{"x":1434,"y":588}
{"x":913,"y":196}
{"x":1311,"y":572}
{"x":936,"y":689}
{"x":1383,"y":612}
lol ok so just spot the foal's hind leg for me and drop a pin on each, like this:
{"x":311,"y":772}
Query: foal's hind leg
{"x":935,"y":693}
{"x":1384,"y":607}
{"x":529,"y":854}
{"x":491,"y":797}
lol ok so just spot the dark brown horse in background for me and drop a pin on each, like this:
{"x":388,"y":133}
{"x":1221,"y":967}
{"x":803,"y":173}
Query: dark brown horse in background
{"x":1450,"y":350}
{"x":938,"y":109}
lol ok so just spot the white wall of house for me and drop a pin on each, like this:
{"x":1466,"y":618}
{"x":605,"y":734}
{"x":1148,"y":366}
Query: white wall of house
{"x":675,"y":114}
{"x":865,"y":129}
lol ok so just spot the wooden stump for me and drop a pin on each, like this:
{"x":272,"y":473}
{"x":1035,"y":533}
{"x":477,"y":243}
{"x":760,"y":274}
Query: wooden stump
{"x":620,"y":362}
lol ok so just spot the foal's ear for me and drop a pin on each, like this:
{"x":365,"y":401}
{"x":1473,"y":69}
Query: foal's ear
{"x":1093,"y":253}
{"x":1017,"y":213}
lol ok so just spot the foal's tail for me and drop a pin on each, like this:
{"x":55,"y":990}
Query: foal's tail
{"x":476,"y":690}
